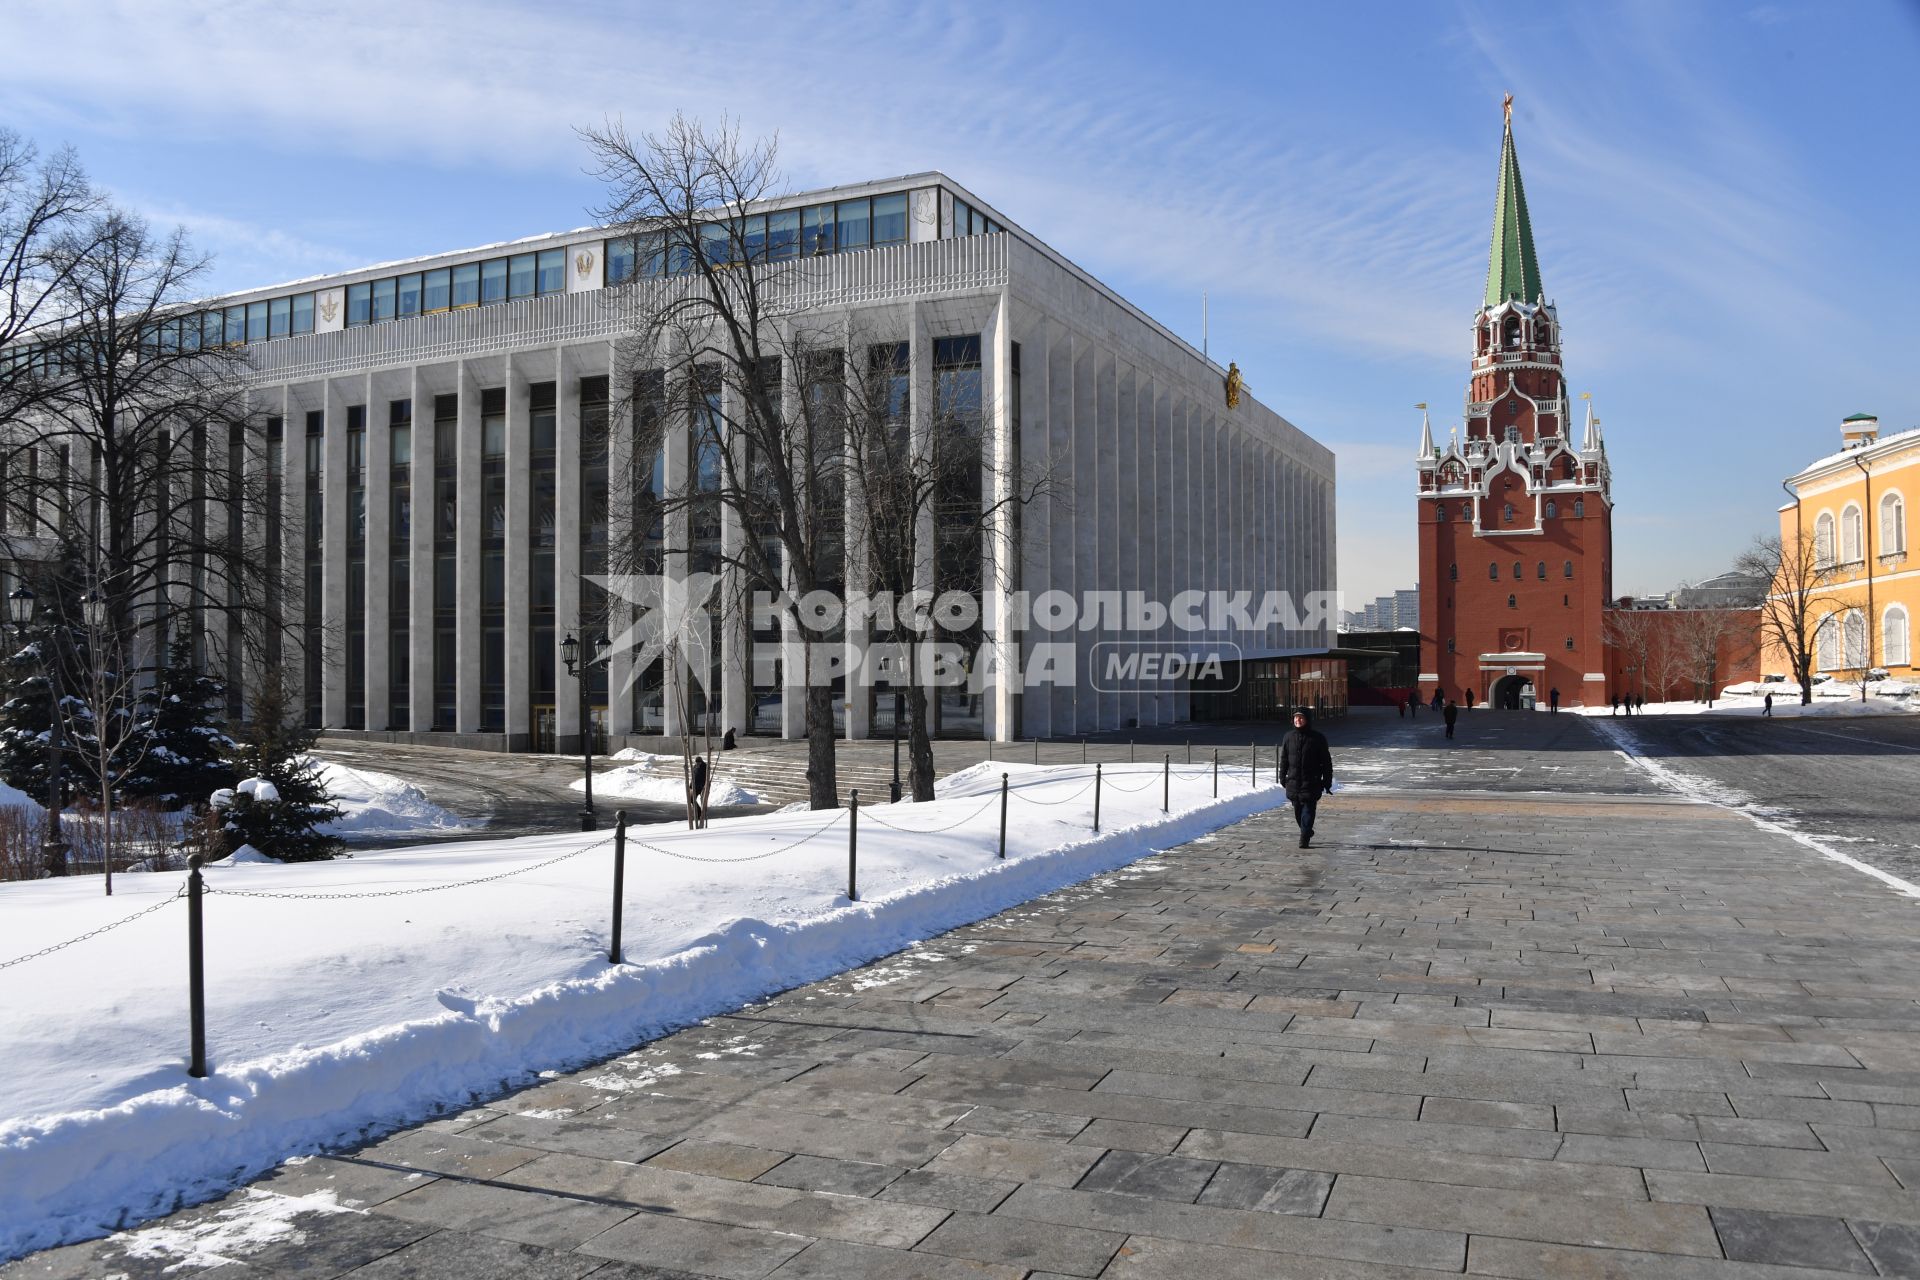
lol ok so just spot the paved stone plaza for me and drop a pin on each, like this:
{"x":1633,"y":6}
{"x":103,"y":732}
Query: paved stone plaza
{"x":1550,"y":1029}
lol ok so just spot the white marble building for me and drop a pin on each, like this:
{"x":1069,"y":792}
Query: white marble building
{"x":428,"y":420}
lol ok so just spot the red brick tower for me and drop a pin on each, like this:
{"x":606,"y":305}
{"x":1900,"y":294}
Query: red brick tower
{"x":1516,"y":518}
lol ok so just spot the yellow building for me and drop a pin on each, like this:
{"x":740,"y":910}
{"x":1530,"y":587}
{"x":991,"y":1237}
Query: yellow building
{"x":1854,"y":506}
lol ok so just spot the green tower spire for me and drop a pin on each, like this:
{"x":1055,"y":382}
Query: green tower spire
{"x":1513,"y":270}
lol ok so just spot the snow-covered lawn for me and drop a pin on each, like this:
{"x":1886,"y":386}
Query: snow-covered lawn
{"x":332,"y":1017}
{"x":379,"y":804}
{"x":1844,"y":700}
{"x":660,"y":779}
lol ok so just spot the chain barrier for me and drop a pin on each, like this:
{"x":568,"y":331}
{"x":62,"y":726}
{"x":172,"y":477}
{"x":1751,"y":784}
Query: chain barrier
{"x":1111,"y":785}
{"x":94,"y":933}
{"x":752,"y":857}
{"x":872,"y":815}
{"x":1063,"y":800}
{"x":404,"y":893}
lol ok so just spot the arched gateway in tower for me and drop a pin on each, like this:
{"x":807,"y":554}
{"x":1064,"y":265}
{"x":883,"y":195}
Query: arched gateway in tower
{"x":1516,"y":510}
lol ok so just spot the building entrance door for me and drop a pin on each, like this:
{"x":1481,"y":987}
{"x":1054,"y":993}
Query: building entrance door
{"x":546,"y":729}
{"x":1507,"y":691}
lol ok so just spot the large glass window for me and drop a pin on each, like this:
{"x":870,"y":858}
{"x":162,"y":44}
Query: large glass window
{"x":359,"y":303}
{"x":384,"y":292}
{"x":303,"y":313}
{"x":236,"y":326}
{"x":256,"y":322}
{"x":520,"y":275}
{"x":493,"y":281}
{"x":409,"y":295}
{"x":716,"y":243}
{"x":853,"y":217}
{"x":279,"y":311}
{"x":551,"y":272}
{"x":890,"y":219}
{"x":783,"y":234}
{"x":466,"y":285}
{"x":619,"y":255}
{"x":436,"y":289}
{"x":816,"y":229}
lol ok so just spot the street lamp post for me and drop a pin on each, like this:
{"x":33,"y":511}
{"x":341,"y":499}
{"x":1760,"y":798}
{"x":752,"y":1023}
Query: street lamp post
{"x":897,"y":700}
{"x":578,"y":666}
{"x":20,"y":606}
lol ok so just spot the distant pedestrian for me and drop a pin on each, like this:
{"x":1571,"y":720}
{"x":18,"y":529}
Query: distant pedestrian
{"x":1306,"y":770}
{"x":1469,"y":698}
{"x":1451,"y":714}
{"x":1615,"y":699}
{"x":1553,"y":700}
{"x":1400,"y":707}
{"x":697,"y":792}
{"x":1413,"y":707}
{"x":1437,"y":699}
{"x":1640,"y":703}
{"x":1766,"y":708}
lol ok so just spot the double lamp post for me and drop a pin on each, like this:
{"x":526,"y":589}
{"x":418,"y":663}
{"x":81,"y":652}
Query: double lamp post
{"x":579,"y":666}
{"x":21,"y":604}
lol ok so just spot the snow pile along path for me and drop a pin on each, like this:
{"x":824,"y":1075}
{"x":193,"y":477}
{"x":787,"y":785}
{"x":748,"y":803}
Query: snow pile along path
{"x":378,"y":804}
{"x":1725,"y":797}
{"x":660,"y":780}
{"x":332,"y":1017}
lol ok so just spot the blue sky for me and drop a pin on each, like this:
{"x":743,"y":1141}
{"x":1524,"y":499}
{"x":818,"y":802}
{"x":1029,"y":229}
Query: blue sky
{"x":1723,"y":195}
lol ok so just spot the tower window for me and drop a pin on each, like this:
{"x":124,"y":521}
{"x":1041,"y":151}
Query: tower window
{"x":1506,"y":513}
{"x":1569,"y":642}
{"x":1567,"y":601}
{"x":1513,"y":602}
{"x":1543,"y":571}
{"x":1466,"y":511}
{"x":1453,"y":573}
{"x":1511,"y":334}
{"x":1579,"y":507}
{"x":1519,"y":571}
{"x":1493,"y":571}
{"x":1449,"y":644}
{"x":1513,"y":433}
{"x":1552,"y":510}
{"x":1566,"y":570}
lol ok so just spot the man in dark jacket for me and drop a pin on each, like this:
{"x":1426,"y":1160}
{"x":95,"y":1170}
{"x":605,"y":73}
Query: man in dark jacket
{"x":1450,"y":715}
{"x":1306,"y":770}
{"x":1553,"y":700}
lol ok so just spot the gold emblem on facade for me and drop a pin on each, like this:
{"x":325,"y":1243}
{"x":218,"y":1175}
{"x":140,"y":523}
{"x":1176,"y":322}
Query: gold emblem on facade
{"x":583,"y":263}
{"x":329,"y":306}
{"x":1235,"y":385}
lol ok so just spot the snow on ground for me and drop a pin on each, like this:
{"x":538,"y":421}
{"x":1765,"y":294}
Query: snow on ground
{"x":14,"y":798}
{"x":1764,"y":816}
{"x":1844,"y":700}
{"x":333,"y":1017}
{"x":660,"y":779}
{"x":381,"y":805}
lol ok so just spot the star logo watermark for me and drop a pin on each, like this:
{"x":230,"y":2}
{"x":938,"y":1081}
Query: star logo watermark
{"x":671,"y":622}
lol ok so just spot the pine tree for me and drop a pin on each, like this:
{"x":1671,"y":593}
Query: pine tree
{"x":273,"y":746}
{"x":183,"y":752}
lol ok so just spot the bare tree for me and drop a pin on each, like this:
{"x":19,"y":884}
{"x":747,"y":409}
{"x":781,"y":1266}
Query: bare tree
{"x":925,"y":490}
{"x":1709,"y":641}
{"x":110,"y":736}
{"x":1796,"y":602}
{"x":713,"y":343}
{"x":1629,"y":633}
{"x":139,"y":467}
{"x":41,"y":203}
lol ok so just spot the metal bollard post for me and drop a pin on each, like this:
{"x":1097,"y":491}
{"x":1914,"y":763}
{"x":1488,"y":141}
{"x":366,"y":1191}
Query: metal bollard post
{"x":1216,"y":773}
{"x":853,"y":845}
{"x":1036,"y":751}
{"x":619,"y":880}
{"x":1083,"y":748}
{"x":196,"y":972}
{"x":1276,"y":764}
{"x":1129,"y":750}
{"x":1166,"y":784}
{"x":1189,"y":750}
{"x":989,"y":750}
{"x":1003,"y":816}
{"x":1096,"y":797}
{"x":1253,"y":765}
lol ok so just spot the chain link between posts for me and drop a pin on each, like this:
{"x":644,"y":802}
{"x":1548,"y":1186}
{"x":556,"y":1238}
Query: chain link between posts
{"x":873,"y":815}
{"x":172,"y":898}
{"x":404,"y":893}
{"x":752,"y":857}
